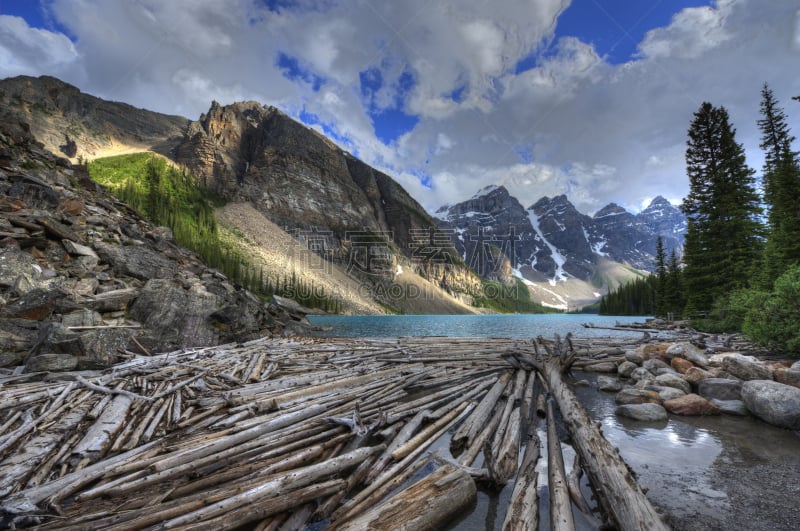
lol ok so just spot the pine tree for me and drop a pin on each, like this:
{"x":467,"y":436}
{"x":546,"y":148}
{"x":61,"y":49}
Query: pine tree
{"x":674,"y":286}
{"x":661,"y":279}
{"x":723,"y":241}
{"x":781,"y":181}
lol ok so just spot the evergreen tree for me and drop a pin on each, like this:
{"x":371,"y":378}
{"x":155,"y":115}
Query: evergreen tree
{"x":781,"y":181}
{"x":723,"y":240}
{"x":661,"y":279}
{"x":674,"y":287}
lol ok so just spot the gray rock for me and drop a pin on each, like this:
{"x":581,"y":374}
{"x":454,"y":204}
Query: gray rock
{"x":643,"y":412}
{"x":175,"y":317}
{"x":76,"y":249}
{"x":689,"y":352}
{"x":666,"y":393}
{"x":606,"y":366}
{"x":634,"y":357}
{"x":82,"y":317}
{"x":582,"y":383}
{"x":640,"y":373}
{"x":51,"y":362}
{"x":626,"y":368}
{"x":39,"y":304}
{"x":136,"y":261}
{"x":731,"y":407}
{"x":637,"y":396}
{"x":15,"y":263}
{"x":100,"y":347}
{"x":720,"y":388}
{"x":773,"y":402}
{"x":654,"y":363}
{"x":608,"y":383}
{"x":796,"y":365}
{"x":665,"y":370}
{"x":747,"y":368}
{"x":674,"y":380}
{"x":112,"y":301}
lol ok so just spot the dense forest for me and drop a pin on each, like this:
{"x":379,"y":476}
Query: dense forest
{"x":740,"y":269}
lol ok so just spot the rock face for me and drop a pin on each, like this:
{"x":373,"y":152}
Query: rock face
{"x":303,"y":182}
{"x":773,"y":402}
{"x":74,"y":124}
{"x":552,"y":240}
{"x":81,"y":275}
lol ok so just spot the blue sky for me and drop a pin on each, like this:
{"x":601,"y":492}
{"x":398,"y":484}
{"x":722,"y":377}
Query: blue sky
{"x":588,"y":97}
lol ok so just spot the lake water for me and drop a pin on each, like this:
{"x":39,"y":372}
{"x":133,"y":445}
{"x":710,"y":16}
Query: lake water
{"x":518,"y":326}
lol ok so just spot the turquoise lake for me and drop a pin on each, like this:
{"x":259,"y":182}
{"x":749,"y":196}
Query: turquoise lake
{"x":518,"y":326}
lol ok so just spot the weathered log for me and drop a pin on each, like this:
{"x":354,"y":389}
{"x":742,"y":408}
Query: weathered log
{"x":560,"y":506}
{"x":523,"y":509}
{"x":273,"y":487}
{"x":465,"y":435}
{"x":620,"y":496}
{"x":98,"y":437}
{"x":501,"y":461}
{"x":574,"y":486}
{"x":430,"y":503}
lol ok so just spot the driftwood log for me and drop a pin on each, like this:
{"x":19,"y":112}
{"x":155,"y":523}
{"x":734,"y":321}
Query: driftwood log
{"x":430,"y":503}
{"x":620,"y":496}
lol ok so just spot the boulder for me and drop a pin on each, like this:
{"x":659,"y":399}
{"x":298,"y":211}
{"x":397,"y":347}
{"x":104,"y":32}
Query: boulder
{"x":626,"y":368}
{"x":666,"y":393}
{"x":76,"y":249}
{"x":695,"y":375}
{"x":653,"y":364}
{"x":634,"y":357}
{"x":39,"y":304}
{"x":136,"y":261}
{"x":796,"y":365}
{"x":637,"y":396}
{"x":82,"y":317}
{"x":15,"y":263}
{"x":640,"y":373}
{"x":643,"y":412}
{"x":681,"y":365}
{"x":787,"y":376}
{"x":51,"y":362}
{"x":608,"y":383}
{"x":688,"y":352}
{"x":665,"y":370}
{"x":731,"y":407}
{"x":716,"y":360}
{"x":604,"y":366}
{"x":673,"y":380}
{"x":91,"y":349}
{"x":175,"y":317}
{"x":113,"y":301}
{"x":691,"y":405}
{"x":773,"y":402}
{"x":581,"y":383}
{"x":747,"y":368}
{"x":720,"y":388}
{"x":655,"y":351}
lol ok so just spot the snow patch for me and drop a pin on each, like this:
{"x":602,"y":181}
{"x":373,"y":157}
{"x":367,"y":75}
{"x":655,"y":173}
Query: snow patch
{"x":558,"y":258}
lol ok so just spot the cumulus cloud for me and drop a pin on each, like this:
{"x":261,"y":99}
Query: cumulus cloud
{"x":569,"y":123}
{"x":25,"y":50}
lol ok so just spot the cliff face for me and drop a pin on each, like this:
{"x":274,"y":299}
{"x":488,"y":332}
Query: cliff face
{"x":73,"y":124}
{"x":303,"y":182}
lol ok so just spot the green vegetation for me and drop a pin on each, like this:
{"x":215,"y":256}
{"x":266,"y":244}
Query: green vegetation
{"x":169,"y":196}
{"x":507,"y":299}
{"x":637,"y":297}
{"x":739,"y":274}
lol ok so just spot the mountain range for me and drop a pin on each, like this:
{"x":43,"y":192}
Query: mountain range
{"x":551,"y":242}
{"x":283,"y":181}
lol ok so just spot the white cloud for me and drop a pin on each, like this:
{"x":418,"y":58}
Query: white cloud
{"x":25,"y":50}
{"x":573,"y":124}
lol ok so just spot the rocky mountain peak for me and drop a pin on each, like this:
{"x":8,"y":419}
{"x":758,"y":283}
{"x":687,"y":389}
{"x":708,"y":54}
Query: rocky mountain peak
{"x":611,"y":209}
